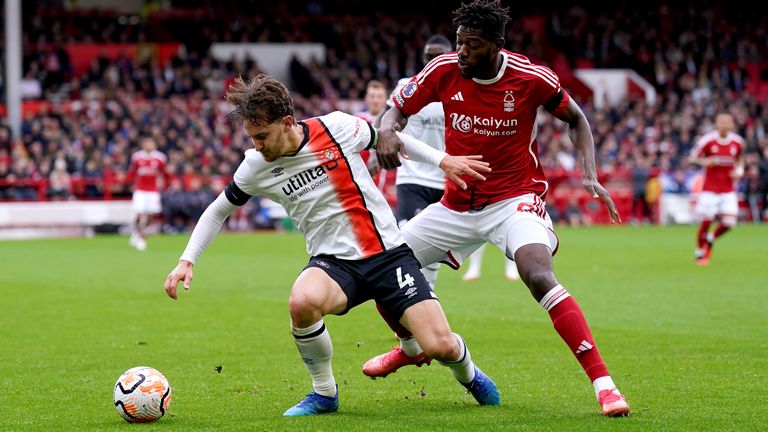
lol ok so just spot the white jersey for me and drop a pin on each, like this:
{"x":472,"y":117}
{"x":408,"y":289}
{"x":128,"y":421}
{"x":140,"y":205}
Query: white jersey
{"x":326,"y":189}
{"x":428,"y":125}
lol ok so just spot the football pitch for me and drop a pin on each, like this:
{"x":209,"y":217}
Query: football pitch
{"x":687,"y":345}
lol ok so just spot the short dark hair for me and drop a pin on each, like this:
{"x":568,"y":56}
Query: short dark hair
{"x":261,"y":100}
{"x":439,"y":40}
{"x":375,"y":84}
{"x":485,"y":15}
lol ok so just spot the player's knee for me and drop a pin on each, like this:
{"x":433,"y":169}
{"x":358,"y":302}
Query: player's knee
{"x":539,"y":281}
{"x":442,"y":347}
{"x":729,"y":221}
{"x":304,"y":308}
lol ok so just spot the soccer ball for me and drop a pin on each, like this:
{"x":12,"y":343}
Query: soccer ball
{"x":142,"y":395}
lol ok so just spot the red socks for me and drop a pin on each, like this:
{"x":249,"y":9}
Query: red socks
{"x":701,"y":238}
{"x":572,"y":327}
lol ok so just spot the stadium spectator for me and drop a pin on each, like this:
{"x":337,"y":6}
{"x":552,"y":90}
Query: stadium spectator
{"x":480,"y":87}
{"x":641,"y":210}
{"x":324,"y":185}
{"x":60,"y":184}
{"x":720,"y":153}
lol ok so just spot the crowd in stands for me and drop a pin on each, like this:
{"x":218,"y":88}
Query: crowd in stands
{"x":702,"y":61}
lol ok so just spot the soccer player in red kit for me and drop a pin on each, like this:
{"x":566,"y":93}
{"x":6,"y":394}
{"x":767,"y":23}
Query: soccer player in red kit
{"x":720,"y":153}
{"x":491,"y":97}
{"x":147,"y":168}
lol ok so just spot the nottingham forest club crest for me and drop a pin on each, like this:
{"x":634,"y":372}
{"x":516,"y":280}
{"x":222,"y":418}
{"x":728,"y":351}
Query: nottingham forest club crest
{"x":509,"y":101}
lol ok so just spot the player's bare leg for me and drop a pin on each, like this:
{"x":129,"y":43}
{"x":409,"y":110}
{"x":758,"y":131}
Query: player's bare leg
{"x":138,"y":237}
{"x":314,"y":295}
{"x":409,"y":352}
{"x":726,"y":223}
{"x":703,"y":243}
{"x":534,"y":262}
{"x":430,"y":328}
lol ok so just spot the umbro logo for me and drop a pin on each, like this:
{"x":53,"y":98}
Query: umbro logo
{"x":458,"y":97}
{"x":277,"y":171}
{"x":583,"y":347}
{"x":410,"y":292}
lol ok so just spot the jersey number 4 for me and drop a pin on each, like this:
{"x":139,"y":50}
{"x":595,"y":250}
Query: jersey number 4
{"x":404,"y":280}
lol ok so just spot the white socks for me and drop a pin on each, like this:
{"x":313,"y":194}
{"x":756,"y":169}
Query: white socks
{"x":315,"y":348}
{"x":604,"y":383}
{"x":463,"y":369}
{"x":553,"y":297}
{"x":410,"y":347}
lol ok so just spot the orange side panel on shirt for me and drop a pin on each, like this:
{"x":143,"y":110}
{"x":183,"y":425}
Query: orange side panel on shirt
{"x":349,"y":195}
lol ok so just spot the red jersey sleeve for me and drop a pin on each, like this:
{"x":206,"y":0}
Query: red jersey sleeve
{"x":421,"y":90}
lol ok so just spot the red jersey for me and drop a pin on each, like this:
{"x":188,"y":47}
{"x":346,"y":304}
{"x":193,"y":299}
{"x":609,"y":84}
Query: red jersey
{"x":495,"y":118}
{"x":146,"y":169}
{"x":724,"y":152}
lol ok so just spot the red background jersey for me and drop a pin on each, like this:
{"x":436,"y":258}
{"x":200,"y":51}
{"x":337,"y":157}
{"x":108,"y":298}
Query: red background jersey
{"x":146,"y":169}
{"x":495,"y":118}
{"x":724,"y":153}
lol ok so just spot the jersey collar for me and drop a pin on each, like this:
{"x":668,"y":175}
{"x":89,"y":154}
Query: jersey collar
{"x":304,"y":141}
{"x":498,"y":76}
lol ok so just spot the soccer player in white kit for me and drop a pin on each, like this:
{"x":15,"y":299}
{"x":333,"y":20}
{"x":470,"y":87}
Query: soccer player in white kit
{"x":313,"y":168}
{"x":491,"y":98}
{"x":720,"y":153}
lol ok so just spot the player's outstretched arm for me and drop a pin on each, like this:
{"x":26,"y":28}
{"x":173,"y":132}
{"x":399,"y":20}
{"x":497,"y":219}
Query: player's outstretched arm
{"x":206,"y":229}
{"x":389,"y":145}
{"x":581,"y":136}
{"x":454,"y":166}
{"x":457,"y":166}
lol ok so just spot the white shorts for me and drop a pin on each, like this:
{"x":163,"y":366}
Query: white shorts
{"x":146,"y":202}
{"x":712,"y":204}
{"x":439,"y":234}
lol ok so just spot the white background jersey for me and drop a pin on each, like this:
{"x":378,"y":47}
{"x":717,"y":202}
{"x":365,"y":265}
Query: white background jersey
{"x":427,"y":125}
{"x":326,"y":189}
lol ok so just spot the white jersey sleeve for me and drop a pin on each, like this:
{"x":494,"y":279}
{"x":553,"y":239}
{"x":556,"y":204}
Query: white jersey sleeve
{"x":351,"y":133}
{"x":428,"y":125}
{"x":207,"y":227}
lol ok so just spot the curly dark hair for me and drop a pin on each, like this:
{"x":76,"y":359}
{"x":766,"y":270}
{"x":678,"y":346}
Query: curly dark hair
{"x":261,"y":100}
{"x":485,"y":15}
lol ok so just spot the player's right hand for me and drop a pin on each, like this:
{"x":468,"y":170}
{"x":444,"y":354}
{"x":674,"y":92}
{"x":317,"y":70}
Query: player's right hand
{"x":388,"y":147}
{"x":457,"y":166}
{"x":182,"y":272}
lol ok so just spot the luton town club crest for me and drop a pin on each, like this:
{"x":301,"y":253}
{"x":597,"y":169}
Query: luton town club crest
{"x":329,"y":155}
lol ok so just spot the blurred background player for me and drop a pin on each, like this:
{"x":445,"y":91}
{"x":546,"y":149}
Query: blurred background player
{"x":375,"y":105}
{"x":418,"y":185}
{"x":375,"y":102}
{"x":720,"y":154}
{"x":476,"y":265}
{"x":149,"y":176}
{"x":491,"y":98}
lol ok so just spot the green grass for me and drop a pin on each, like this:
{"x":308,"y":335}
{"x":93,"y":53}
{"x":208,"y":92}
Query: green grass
{"x":687,"y":345}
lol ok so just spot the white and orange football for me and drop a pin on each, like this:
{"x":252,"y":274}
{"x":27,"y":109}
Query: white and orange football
{"x":142,"y":395}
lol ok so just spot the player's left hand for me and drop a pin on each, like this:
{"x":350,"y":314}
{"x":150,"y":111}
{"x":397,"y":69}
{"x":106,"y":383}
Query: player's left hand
{"x":596,"y":190}
{"x":457,"y":166}
{"x":389,"y":147}
{"x":182,"y":273}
